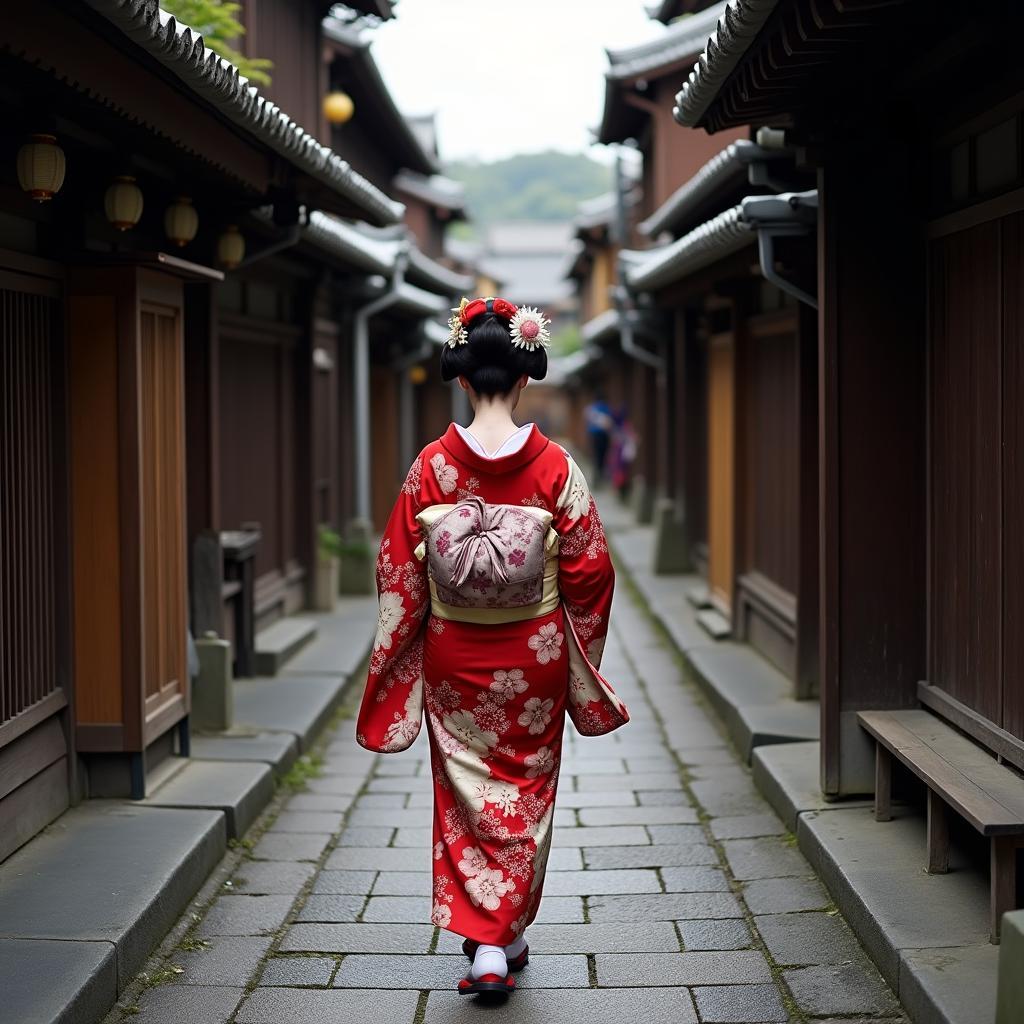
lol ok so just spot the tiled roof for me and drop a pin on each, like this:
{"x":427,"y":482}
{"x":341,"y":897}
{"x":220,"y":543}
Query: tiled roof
{"x":435,"y":189}
{"x":727,"y":43}
{"x":683,"y":38}
{"x":352,"y":246}
{"x":218,"y":82}
{"x":437,"y":276}
{"x":719,"y":237}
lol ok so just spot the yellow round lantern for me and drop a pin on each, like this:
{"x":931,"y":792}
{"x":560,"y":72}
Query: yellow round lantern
{"x":41,"y":167}
{"x":181,"y":222}
{"x":418,"y":374}
{"x":338,"y":107}
{"x":231,"y":247}
{"x":123,"y":202}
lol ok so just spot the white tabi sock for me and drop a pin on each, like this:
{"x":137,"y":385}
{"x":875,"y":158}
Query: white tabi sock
{"x":489,"y":960}
{"x":516,"y":949}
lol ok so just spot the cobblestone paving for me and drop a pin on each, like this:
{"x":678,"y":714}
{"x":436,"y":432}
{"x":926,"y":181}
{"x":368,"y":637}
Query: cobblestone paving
{"x":674,"y":893}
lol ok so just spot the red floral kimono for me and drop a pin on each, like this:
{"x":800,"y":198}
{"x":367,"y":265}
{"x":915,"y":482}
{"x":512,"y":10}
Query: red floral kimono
{"x":495,"y":586}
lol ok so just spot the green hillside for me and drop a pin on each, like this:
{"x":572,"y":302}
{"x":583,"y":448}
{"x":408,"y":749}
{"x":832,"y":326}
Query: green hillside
{"x":530,"y":186}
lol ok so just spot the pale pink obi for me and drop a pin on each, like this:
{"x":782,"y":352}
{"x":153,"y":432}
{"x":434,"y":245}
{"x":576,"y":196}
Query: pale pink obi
{"x":489,"y":563}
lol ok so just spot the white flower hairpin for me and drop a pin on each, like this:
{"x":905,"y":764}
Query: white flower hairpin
{"x":529,"y":328}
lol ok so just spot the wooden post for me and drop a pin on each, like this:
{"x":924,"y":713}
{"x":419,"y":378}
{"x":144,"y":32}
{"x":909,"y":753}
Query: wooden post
{"x":883,"y":784}
{"x":1003,"y":881}
{"x":938,"y":834}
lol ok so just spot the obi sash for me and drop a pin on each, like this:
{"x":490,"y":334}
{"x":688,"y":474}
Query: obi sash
{"x":487,"y":563}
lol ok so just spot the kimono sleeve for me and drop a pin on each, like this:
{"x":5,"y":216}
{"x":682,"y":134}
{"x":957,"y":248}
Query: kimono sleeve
{"x":586,"y":580}
{"x":391,"y":709}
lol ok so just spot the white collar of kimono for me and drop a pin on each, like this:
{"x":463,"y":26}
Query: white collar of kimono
{"x":509,"y":446}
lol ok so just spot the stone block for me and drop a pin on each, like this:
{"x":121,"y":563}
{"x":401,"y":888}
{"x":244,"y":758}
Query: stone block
{"x":664,"y":1006}
{"x":227,"y":961}
{"x":610,"y":835}
{"x":729,"y":934}
{"x":245,"y":915}
{"x":668,"y":906}
{"x":186,"y":1004}
{"x":212,"y":703}
{"x":1010,"y":1003}
{"x":358,"y":882}
{"x":358,"y":938}
{"x":785,"y":895}
{"x":298,"y":972}
{"x":665,"y":815}
{"x":271,"y":878}
{"x":332,"y":909}
{"x":291,"y":846}
{"x":795,"y":939}
{"x":443,"y":972}
{"x":739,"y":1004}
{"x":764,"y":858}
{"x":671,"y":542}
{"x":300,"y":705}
{"x":747,"y":826}
{"x":337,"y":1006}
{"x":954,"y":985}
{"x":650,"y":856}
{"x":596,"y":883}
{"x":737,"y":967}
{"x":613,"y":937}
{"x":380,"y":859}
{"x":841,"y":989}
{"x":695,"y":879}
{"x":278,"y":749}
{"x":280,"y":642}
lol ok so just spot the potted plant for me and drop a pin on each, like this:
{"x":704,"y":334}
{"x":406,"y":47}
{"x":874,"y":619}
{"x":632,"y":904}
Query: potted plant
{"x":328,"y":568}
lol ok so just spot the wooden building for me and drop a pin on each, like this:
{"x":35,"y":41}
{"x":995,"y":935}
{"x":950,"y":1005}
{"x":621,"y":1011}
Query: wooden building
{"x":176,"y":341}
{"x":921,"y":185}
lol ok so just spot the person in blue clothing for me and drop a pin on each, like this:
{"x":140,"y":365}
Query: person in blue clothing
{"x":600,"y":425}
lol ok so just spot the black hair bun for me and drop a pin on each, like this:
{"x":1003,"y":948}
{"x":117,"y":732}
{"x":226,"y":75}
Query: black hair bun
{"x":489,"y":360}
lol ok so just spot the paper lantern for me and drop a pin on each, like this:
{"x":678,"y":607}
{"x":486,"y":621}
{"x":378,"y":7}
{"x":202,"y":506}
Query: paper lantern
{"x":418,"y":374}
{"x":181,"y":222}
{"x":338,"y":107}
{"x":231,"y":247}
{"x":41,"y":167}
{"x":123,"y":203}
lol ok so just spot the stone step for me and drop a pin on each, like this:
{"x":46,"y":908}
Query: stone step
{"x":239,"y":789}
{"x":715,"y":623}
{"x":277,"y":749}
{"x":281,"y":641}
{"x":84,"y":904}
{"x":300,"y":705}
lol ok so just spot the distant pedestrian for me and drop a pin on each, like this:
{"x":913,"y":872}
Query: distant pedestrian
{"x":623,"y":453}
{"x":600,"y":426}
{"x":495,"y":589}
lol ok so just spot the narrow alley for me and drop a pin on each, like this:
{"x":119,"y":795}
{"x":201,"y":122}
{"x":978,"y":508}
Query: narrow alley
{"x":675,"y":893}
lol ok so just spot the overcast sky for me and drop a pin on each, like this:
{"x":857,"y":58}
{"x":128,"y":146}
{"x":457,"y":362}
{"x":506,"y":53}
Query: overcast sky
{"x":506,"y":76}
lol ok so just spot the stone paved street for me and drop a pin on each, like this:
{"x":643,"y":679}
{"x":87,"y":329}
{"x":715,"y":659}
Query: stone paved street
{"x":674,"y":893}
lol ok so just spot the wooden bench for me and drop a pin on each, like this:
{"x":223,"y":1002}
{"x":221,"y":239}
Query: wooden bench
{"x":961,"y":775}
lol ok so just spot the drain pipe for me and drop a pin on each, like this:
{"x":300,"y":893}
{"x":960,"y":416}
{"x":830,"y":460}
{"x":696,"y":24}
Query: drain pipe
{"x":361,"y":383}
{"x":786,"y":216}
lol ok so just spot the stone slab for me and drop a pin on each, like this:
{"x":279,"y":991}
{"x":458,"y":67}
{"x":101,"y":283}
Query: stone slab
{"x":613,"y":937}
{"x":788,"y":774}
{"x":597,"y":883}
{"x":668,"y":815}
{"x":245,"y":915}
{"x":280,"y":750}
{"x":300,"y":705}
{"x":805,"y":939}
{"x":333,"y":651}
{"x":957,"y":985}
{"x":737,"y":967}
{"x":595,"y":1006}
{"x":708,"y":935}
{"x":281,"y":641}
{"x":44,"y":981}
{"x":184,"y":1004}
{"x":358,"y":938}
{"x":668,"y":906}
{"x":230,"y":960}
{"x":336,"y":1006}
{"x":298,"y":971}
{"x":291,"y":846}
{"x":844,"y":989}
{"x":241,"y":790}
{"x":110,"y":871}
{"x":272,"y":878}
{"x":334,"y":909}
{"x":443,"y":972}
{"x":673,"y":855}
{"x":739,"y":1004}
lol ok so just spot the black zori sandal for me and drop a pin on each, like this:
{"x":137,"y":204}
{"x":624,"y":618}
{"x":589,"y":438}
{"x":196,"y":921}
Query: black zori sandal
{"x":493,"y":984}
{"x":515,"y":963}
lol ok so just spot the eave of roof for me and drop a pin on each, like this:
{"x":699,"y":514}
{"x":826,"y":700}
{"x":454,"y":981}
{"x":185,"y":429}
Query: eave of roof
{"x":724,"y":48}
{"x":351,"y":246}
{"x":725,"y":169}
{"x":683,"y":38}
{"x":395,"y":128}
{"x":218,"y":82}
{"x":437,"y":276}
{"x":719,"y":237}
{"x":435,"y":189}
{"x":601,"y":327}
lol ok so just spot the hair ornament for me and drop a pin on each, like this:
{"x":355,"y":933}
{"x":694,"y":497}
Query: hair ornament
{"x":457,"y":333}
{"x":529,"y":328}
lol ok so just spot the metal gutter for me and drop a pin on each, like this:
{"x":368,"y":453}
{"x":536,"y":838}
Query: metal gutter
{"x":719,"y":237}
{"x":351,"y":246}
{"x":784,"y":216}
{"x":729,"y":167}
{"x":726,"y":46}
{"x":217,"y":81}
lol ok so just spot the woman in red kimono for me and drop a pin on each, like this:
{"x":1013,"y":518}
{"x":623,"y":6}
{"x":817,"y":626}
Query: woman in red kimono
{"x":495,"y":586}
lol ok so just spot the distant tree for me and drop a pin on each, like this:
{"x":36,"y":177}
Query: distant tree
{"x":530,"y":186}
{"x":217,"y":22}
